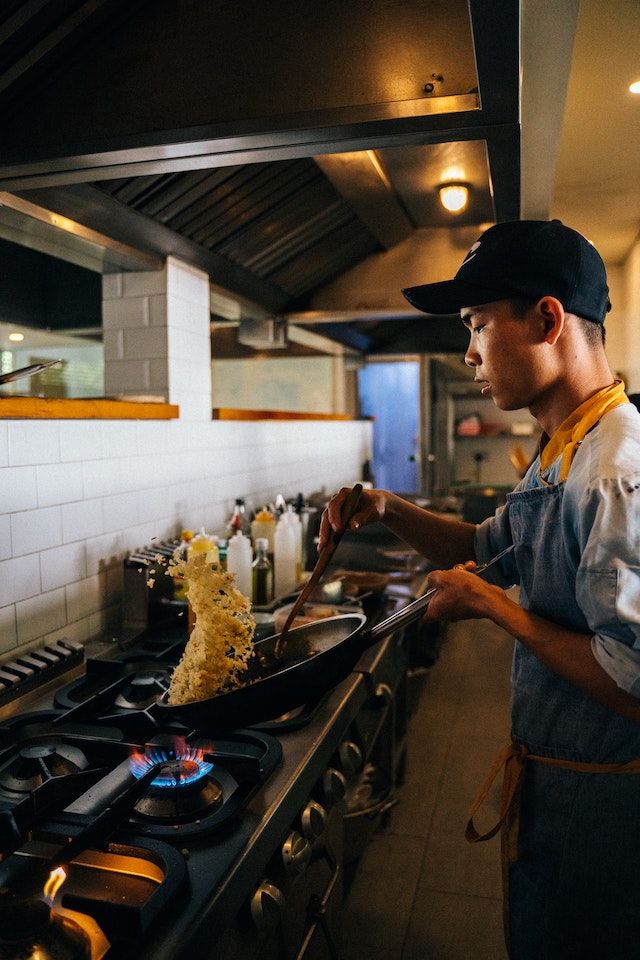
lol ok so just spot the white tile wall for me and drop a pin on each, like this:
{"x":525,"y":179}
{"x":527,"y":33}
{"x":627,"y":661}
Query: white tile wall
{"x":66,"y":525}
{"x":77,"y":496}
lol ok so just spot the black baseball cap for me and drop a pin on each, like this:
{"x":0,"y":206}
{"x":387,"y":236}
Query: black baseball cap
{"x":528,"y":259}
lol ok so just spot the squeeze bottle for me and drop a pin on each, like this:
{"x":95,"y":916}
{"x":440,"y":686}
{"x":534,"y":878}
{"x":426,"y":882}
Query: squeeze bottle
{"x":239,"y":560}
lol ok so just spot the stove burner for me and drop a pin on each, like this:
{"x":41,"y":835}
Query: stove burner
{"x":35,"y":764}
{"x":177,"y":769}
{"x":142,"y":690}
{"x":182,"y":789}
{"x":177,"y":772}
{"x":30,"y":929}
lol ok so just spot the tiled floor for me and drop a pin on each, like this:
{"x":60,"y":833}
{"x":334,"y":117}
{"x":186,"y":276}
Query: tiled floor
{"x":420,"y":891}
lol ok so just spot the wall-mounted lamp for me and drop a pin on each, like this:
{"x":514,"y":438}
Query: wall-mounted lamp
{"x":16,"y":337}
{"x":454,"y":196}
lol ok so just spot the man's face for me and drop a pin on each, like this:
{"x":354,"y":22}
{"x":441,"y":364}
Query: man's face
{"x":504,"y":350}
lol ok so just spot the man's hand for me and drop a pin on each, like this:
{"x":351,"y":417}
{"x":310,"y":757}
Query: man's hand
{"x":371,"y":508}
{"x":461,"y":594}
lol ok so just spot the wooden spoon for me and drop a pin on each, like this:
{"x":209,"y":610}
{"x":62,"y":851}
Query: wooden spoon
{"x":348,"y":509}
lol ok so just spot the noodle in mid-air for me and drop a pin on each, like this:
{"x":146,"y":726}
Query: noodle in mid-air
{"x":221,"y":642}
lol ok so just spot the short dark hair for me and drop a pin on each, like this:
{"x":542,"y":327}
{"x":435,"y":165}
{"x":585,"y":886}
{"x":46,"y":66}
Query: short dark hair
{"x":594,"y":332}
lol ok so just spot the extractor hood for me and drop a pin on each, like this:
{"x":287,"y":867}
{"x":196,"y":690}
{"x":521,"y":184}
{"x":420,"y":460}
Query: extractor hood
{"x":279,"y":152}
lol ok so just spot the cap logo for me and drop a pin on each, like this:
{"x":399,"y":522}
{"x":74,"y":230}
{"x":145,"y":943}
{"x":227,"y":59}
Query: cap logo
{"x":472,"y":253}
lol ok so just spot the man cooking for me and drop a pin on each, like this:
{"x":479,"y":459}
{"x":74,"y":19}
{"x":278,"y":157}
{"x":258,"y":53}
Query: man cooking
{"x":534,"y":297}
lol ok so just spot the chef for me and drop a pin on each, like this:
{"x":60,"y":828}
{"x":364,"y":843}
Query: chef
{"x":533,"y":296}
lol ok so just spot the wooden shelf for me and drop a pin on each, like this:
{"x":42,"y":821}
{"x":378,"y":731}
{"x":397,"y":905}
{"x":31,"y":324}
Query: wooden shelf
{"x":43,"y":408}
{"x":230,"y":413}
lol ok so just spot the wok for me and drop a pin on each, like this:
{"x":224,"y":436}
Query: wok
{"x":316,"y":657}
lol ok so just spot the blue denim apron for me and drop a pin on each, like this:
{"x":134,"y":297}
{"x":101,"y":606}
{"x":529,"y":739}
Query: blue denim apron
{"x":574,"y":889}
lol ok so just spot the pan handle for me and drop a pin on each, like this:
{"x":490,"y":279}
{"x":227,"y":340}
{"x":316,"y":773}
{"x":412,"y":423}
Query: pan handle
{"x":417,"y":607}
{"x":401,"y":618}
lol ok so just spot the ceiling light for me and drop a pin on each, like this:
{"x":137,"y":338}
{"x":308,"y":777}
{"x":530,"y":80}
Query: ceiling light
{"x":454,"y":196}
{"x":634,"y":87}
{"x":16,"y":337}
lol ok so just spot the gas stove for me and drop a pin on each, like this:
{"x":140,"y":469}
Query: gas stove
{"x":123,"y":835}
{"x":96,"y":793}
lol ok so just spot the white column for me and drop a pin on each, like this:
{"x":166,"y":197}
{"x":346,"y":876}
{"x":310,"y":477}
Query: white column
{"x":189,"y":340}
{"x":156,"y":328}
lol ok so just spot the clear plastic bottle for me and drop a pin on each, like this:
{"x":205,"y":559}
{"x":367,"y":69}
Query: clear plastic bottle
{"x":239,"y":562}
{"x":286,"y":555}
{"x":292,"y":517}
{"x":262,"y":575}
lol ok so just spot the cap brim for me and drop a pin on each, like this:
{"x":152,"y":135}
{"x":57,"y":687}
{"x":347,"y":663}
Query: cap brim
{"x":448,"y":297}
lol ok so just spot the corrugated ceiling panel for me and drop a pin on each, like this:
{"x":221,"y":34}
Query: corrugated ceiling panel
{"x":284,"y":221}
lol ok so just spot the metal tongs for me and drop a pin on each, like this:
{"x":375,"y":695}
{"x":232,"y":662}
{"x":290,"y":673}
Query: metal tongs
{"x":348,"y":509}
{"x":27,"y":371}
{"x":408,"y":613}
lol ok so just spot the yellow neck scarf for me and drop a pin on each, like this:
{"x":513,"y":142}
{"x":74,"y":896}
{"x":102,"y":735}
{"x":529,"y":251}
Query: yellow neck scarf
{"x":574,"y":429}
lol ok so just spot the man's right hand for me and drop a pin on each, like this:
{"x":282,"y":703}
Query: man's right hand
{"x":370,"y":508}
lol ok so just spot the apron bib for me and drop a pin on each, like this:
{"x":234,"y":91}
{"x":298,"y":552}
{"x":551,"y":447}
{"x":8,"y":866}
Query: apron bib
{"x":571,"y":830}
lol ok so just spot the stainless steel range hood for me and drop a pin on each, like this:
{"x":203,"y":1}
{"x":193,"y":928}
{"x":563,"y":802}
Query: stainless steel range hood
{"x":277,"y":152}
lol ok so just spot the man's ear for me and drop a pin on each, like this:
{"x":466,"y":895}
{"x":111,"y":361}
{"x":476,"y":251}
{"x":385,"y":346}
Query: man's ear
{"x":552,"y":314}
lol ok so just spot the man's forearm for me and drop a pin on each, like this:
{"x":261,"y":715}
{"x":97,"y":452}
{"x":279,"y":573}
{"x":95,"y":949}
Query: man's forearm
{"x":443,"y":540}
{"x":567,"y":653}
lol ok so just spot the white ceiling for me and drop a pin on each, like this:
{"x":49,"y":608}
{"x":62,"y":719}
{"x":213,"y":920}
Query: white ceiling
{"x":597,"y":179}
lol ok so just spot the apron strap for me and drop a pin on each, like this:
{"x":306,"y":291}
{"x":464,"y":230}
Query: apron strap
{"x":513,"y":758}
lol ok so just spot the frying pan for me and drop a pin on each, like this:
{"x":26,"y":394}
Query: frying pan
{"x":316,"y":657}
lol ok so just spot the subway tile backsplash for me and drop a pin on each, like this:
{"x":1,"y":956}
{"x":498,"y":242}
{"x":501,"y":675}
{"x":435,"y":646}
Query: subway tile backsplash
{"x":77,"y":496}
{"x":92,"y":491}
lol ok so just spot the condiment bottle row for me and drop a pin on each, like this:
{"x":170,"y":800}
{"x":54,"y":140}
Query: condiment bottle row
{"x":265,"y":555}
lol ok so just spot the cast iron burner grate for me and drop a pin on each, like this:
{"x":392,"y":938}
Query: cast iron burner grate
{"x":57,"y":782}
{"x":37,"y":763}
{"x":143,"y":689}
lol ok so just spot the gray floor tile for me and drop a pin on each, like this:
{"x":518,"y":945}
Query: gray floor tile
{"x":448,"y":927}
{"x":380,"y":900}
{"x":421,"y":892}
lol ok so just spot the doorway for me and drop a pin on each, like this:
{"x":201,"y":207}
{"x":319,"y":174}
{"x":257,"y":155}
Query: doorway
{"x":390,"y":393}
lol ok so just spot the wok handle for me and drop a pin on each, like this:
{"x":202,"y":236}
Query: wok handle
{"x":414,"y":609}
{"x":348,"y":509}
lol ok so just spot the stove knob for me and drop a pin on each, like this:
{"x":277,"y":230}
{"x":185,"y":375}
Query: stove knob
{"x":334,"y":786}
{"x":384,"y":693}
{"x":267,"y":906}
{"x":313,"y":820}
{"x":350,"y":757}
{"x":296,"y":852}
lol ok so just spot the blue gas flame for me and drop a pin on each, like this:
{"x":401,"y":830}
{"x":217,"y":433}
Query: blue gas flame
{"x":171,"y":775}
